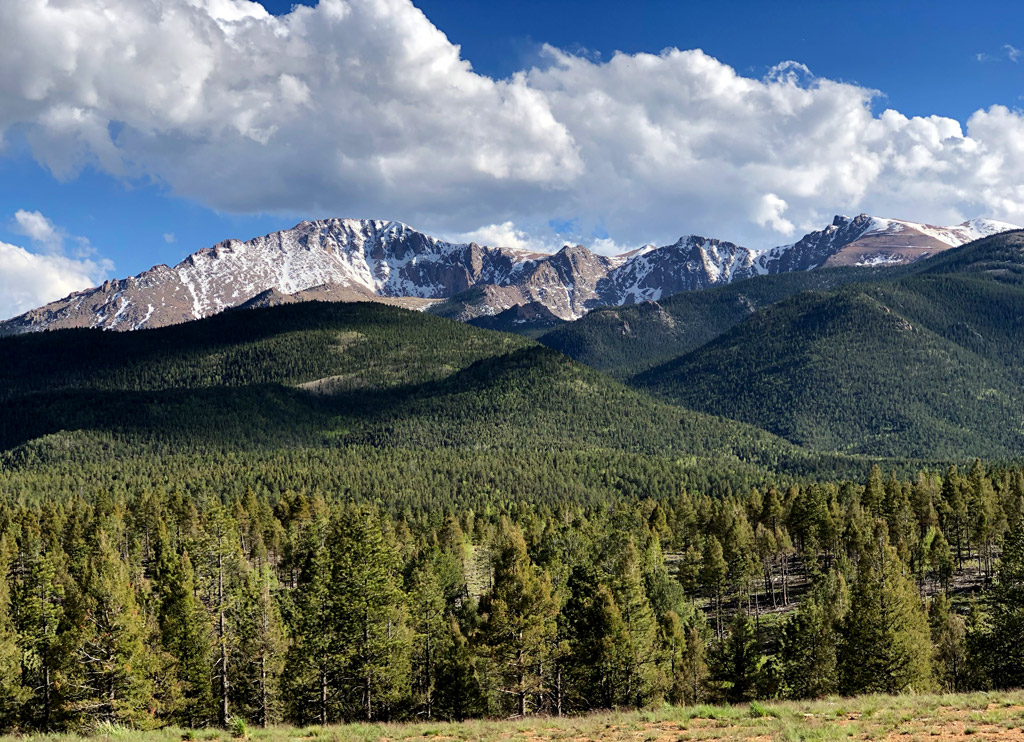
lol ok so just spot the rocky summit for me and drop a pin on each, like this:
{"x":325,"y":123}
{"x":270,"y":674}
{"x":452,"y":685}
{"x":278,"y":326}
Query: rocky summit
{"x":371,"y":260}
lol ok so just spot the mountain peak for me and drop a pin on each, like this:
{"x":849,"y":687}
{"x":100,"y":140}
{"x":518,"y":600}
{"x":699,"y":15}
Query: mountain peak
{"x":380,"y":260}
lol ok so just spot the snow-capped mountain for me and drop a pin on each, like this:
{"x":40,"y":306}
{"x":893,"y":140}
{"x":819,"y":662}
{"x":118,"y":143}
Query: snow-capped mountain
{"x":356,"y":259}
{"x":368,"y":260}
{"x":867,"y":241}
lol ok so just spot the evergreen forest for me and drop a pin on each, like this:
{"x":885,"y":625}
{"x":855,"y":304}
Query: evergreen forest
{"x":319,"y":513}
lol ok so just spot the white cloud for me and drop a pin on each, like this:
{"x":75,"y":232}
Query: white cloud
{"x":39,"y":229}
{"x":503,"y":235}
{"x":363,"y":108}
{"x":169,"y":238}
{"x":769,"y":213}
{"x":29,"y":280}
{"x":1012,"y":52}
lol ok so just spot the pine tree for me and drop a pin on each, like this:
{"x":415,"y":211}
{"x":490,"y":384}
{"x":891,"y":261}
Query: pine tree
{"x":41,"y":605}
{"x":187,"y":635}
{"x":12,"y":692}
{"x":113,"y":656}
{"x":223,"y":569}
{"x":985,"y":516}
{"x":640,"y":668}
{"x":598,"y":643}
{"x":940,"y":556}
{"x":1005,"y":647}
{"x":886,"y":645}
{"x":432,"y":635}
{"x":309,"y":664}
{"x":949,"y":638}
{"x":372,"y":650}
{"x":686,"y":652}
{"x":810,"y":637}
{"x":260,"y":647}
{"x":519,"y":620}
{"x":713,"y":573}
{"x":953,"y":512}
{"x":738,"y":661}
{"x":874,"y":492}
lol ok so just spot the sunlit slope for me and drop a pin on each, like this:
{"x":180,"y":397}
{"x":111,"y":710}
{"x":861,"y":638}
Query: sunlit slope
{"x":929,"y":365}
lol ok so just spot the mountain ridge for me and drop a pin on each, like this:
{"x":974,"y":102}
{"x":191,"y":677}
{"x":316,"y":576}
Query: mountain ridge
{"x":923,"y":362}
{"x":376,"y":260}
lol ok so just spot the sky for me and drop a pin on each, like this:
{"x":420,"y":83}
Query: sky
{"x":134,"y":133}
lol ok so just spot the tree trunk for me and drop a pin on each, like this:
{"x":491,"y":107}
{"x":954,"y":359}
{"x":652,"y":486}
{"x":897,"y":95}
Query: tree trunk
{"x":222,"y":631}
{"x":323,"y":695}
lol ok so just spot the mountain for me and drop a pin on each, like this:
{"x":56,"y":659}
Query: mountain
{"x":623,"y":341}
{"x":362,"y":388}
{"x":927,"y":363}
{"x":626,"y":340}
{"x":870,"y":241}
{"x":355,"y":260}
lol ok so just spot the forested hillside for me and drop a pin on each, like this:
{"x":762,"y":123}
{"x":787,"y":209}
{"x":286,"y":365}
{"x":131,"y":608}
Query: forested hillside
{"x":926,"y":366}
{"x":626,"y":340}
{"x":328,"y":377}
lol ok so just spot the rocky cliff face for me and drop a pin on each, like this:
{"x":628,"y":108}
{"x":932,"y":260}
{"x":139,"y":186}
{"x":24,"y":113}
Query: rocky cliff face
{"x":368,"y":260}
{"x":868,"y":241}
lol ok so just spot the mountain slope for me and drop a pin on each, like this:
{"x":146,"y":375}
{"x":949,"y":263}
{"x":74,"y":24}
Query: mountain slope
{"x":928,"y":365}
{"x":866,"y":241}
{"x":338,"y":376}
{"x":623,"y":341}
{"x":367,"y":260}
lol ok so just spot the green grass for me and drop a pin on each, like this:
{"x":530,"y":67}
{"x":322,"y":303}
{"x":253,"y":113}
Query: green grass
{"x":912,"y":717}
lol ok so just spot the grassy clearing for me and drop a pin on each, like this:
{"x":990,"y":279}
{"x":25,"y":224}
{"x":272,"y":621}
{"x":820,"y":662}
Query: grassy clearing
{"x":978,"y":716}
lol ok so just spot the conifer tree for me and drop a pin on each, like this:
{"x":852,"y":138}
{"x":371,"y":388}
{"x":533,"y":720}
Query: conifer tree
{"x":686,"y":659}
{"x":113,"y":656}
{"x":640,"y":669}
{"x":874,"y":492}
{"x":713,"y":573}
{"x":807,"y":655}
{"x":260,"y":646}
{"x":598,"y":643}
{"x":953,"y":512}
{"x":738,"y":661}
{"x":1005,"y":646}
{"x":223,"y":570}
{"x":519,"y":619}
{"x":432,"y":637}
{"x":12,"y":692}
{"x":40,"y":607}
{"x":309,"y":665}
{"x":940,"y":556}
{"x":886,"y":645}
{"x":372,"y":650}
{"x":985,"y":516}
{"x":949,"y":639}
{"x":187,"y":635}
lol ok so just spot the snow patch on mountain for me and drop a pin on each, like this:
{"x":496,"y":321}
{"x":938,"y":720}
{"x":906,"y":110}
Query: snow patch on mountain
{"x":374,"y":260}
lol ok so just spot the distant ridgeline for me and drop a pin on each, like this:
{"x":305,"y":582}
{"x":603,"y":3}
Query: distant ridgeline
{"x":318,"y":511}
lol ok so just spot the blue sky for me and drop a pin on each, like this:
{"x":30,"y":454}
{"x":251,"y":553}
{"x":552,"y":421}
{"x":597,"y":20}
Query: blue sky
{"x":188,"y":185}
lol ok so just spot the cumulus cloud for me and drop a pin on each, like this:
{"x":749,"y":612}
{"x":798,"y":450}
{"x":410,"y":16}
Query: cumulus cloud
{"x":364,"y":108}
{"x":39,"y":229}
{"x":503,"y":235}
{"x":769,"y":213}
{"x":31,"y":278}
